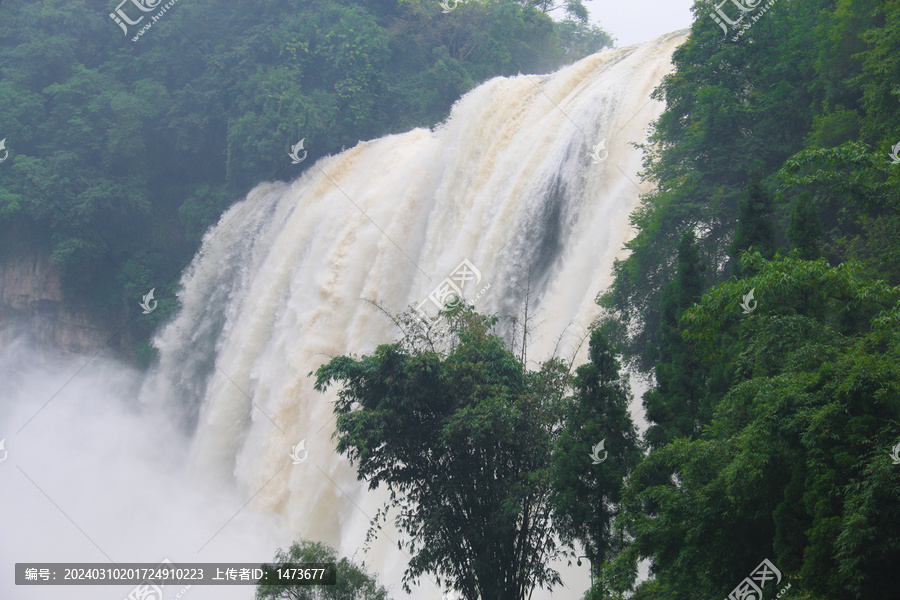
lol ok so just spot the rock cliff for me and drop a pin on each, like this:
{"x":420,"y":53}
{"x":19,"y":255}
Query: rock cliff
{"x":32,"y":304}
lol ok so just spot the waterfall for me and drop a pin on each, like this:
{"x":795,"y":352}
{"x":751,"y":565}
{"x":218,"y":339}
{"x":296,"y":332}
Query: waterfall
{"x":515,"y":181}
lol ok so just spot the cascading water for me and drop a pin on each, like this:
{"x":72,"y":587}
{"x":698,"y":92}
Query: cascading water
{"x":508,"y":182}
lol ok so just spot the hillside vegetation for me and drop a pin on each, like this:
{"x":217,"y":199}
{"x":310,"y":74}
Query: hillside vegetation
{"x":123,"y":153}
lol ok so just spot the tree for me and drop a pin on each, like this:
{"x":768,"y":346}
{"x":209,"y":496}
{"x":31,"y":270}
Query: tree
{"x":460,"y":433}
{"x":794,"y":464}
{"x":577,"y":39}
{"x":857,"y":201}
{"x":727,"y":106}
{"x":754,"y":228}
{"x":586,"y":495}
{"x":675,"y":405}
{"x":353,"y":583}
{"x":805,"y":229}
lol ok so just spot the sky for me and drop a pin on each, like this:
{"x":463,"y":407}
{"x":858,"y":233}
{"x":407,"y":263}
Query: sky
{"x":634,"y":21}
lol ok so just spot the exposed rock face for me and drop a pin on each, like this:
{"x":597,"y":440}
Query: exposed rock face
{"x":32,"y":303}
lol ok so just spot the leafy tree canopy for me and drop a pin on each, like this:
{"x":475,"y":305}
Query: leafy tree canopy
{"x":487,"y":463}
{"x":353,"y":582}
{"x":794,"y":464}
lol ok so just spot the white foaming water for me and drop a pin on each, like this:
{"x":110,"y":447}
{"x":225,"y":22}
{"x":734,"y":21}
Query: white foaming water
{"x":276,"y":289}
{"x":91,"y":476}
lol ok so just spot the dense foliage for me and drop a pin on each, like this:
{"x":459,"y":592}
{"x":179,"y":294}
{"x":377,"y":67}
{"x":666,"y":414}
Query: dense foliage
{"x":353,"y":582}
{"x":761,"y":296}
{"x":486,"y":462}
{"x":585,"y":496}
{"x":794,"y":462}
{"x":122,"y":153}
{"x":804,"y":102}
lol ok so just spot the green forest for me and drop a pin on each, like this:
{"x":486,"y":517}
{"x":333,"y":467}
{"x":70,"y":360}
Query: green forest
{"x":770,"y":432}
{"x":215,"y":99}
{"x":760,"y":297}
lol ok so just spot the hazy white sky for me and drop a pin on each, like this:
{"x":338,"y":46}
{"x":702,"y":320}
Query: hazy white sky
{"x":633,"y":21}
